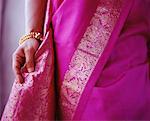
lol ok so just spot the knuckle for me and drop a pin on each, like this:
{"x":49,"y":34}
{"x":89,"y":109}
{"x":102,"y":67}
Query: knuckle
{"x":16,"y":52}
{"x":28,"y":50}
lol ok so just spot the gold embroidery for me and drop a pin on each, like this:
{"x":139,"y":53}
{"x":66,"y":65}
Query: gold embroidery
{"x":87,"y":55}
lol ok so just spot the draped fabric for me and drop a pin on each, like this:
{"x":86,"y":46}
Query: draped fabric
{"x":116,"y":86}
{"x":101,"y":59}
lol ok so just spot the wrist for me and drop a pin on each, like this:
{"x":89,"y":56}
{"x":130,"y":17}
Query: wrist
{"x":36,"y":35}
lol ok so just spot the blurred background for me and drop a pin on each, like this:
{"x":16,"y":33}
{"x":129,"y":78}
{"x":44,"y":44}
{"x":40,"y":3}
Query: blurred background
{"x":11,"y":29}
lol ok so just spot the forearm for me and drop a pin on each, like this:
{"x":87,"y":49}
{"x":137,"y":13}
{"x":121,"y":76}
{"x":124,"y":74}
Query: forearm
{"x":34,"y":15}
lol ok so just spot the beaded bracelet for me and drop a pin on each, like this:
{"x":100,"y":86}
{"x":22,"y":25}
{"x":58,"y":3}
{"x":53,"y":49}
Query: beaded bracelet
{"x":35,"y":35}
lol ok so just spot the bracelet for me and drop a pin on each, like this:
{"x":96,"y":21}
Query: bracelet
{"x":35,"y":35}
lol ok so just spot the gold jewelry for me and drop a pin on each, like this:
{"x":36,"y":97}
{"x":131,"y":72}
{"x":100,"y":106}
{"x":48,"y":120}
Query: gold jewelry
{"x":36,"y":35}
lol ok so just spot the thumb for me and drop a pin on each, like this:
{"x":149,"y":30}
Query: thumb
{"x":29,"y":55}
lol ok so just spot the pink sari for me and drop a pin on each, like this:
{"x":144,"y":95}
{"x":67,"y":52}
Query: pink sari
{"x":101,"y":53}
{"x":102,"y":72}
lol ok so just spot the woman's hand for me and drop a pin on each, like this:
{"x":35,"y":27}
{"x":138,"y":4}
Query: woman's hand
{"x":34,"y":21}
{"x":24,"y":56}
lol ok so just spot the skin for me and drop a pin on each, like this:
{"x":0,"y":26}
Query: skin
{"x":24,"y":54}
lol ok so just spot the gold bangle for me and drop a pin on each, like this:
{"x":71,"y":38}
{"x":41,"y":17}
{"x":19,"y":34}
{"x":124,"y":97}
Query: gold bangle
{"x":35,"y":35}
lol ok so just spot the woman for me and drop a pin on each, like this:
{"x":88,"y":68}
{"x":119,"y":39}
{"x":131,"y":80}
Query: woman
{"x":101,"y":56}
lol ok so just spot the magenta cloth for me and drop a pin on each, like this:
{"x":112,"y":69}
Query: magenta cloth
{"x":123,"y":88}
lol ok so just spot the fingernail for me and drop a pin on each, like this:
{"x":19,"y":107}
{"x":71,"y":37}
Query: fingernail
{"x":30,"y":69}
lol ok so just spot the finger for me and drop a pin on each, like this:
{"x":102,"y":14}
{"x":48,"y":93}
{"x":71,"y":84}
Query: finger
{"x":17,"y":64}
{"x":29,"y":56}
{"x":17,"y":70}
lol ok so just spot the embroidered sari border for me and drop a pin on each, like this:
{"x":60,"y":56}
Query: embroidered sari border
{"x":87,"y":55}
{"x":126,"y":7}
